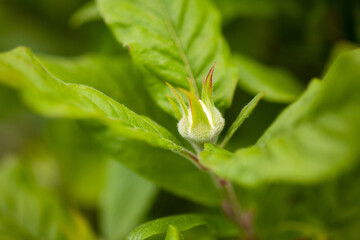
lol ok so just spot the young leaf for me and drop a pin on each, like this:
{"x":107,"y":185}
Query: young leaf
{"x":173,"y":234}
{"x":245,"y":112}
{"x":51,"y":97}
{"x":280,"y":85}
{"x":172,"y":40}
{"x":315,"y":138}
{"x":217,"y":225}
{"x":123,"y":205}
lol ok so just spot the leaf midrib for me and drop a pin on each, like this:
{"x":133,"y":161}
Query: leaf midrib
{"x":122,"y":111}
{"x":177,"y":41}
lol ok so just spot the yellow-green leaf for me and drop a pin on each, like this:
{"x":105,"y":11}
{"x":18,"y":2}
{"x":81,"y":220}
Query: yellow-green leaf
{"x":172,"y":40}
{"x":315,"y":138}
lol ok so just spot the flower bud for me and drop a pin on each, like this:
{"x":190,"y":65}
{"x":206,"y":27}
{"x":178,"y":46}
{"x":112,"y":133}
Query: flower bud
{"x":201,"y":122}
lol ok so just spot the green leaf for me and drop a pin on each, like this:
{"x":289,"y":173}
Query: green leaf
{"x":110,"y":74}
{"x":337,"y":49}
{"x":245,"y":112}
{"x":314,"y":139}
{"x":52,"y":97}
{"x":113,"y":75}
{"x":166,"y":169}
{"x":217,"y":225}
{"x":86,"y":13}
{"x":173,"y":234}
{"x":28,"y":211}
{"x":79,"y":156}
{"x":124,"y":202}
{"x":279,"y":84}
{"x":171,"y":40}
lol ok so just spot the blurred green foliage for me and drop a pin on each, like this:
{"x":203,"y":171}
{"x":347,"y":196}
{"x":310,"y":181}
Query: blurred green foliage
{"x":58,"y":178}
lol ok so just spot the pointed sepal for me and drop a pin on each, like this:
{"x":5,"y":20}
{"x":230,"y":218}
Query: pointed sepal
{"x":175,"y":107}
{"x":207,"y":89}
{"x":198,"y":115}
{"x":192,"y":89}
{"x":201,"y":122}
{"x":179,"y":99}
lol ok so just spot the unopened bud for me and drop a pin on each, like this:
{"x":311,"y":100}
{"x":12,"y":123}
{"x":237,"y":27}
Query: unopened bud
{"x":201,"y":122}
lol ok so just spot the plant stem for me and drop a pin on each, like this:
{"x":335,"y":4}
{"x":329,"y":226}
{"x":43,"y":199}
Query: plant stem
{"x":230,"y":205}
{"x":193,"y":158}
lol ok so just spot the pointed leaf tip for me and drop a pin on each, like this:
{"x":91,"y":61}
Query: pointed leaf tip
{"x":245,"y":113}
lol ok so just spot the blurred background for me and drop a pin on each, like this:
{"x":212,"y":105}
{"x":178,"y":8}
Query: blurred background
{"x":298,"y":35}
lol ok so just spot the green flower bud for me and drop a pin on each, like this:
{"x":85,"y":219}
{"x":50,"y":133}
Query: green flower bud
{"x":201,"y":122}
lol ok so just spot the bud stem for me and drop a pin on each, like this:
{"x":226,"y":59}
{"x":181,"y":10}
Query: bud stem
{"x":230,"y":203}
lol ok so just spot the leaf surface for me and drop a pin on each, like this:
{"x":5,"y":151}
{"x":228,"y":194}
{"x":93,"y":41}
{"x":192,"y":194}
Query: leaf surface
{"x":125,"y":200}
{"x":52,"y":97}
{"x":164,"y":168}
{"x":173,"y":234}
{"x":171,"y":40}
{"x":86,"y":13}
{"x":280,"y":85}
{"x":28,"y":211}
{"x":314,"y":139}
{"x":217,"y":225}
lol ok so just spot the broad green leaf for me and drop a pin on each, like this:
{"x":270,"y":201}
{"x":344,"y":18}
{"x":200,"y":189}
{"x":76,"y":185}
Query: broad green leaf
{"x":112,"y":75}
{"x":279,"y":84}
{"x":245,"y":112}
{"x":330,"y":210}
{"x":28,"y":211}
{"x":173,"y":234}
{"x":316,"y":138}
{"x":171,"y":40}
{"x":337,"y":49}
{"x":52,"y":97}
{"x":217,"y":225}
{"x":87,"y":13}
{"x":166,"y":169}
{"x":106,"y":74}
{"x":124,"y":202}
